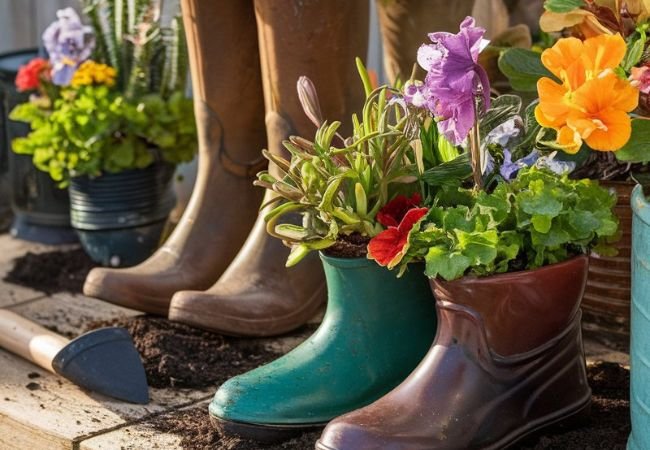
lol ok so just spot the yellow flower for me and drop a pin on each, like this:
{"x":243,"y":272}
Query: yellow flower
{"x":592,"y":103}
{"x":91,"y":72}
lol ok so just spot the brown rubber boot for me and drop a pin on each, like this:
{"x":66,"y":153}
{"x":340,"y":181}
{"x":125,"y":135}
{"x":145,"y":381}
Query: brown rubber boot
{"x":405,"y":25}
{"x":222,"y":41}
{"x":507,"y":362}
{"x":257,"y":295}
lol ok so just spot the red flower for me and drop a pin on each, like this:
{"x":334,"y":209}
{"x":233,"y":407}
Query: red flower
{"x":389,"y":247}
{"x":394,"y":211}
{"x":30,"y":75}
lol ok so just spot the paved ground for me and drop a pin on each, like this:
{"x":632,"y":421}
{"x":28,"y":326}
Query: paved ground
{"x":39,"y":410}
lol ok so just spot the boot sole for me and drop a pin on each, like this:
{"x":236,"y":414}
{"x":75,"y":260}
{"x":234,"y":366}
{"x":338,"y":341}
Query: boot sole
{"x":556,"y":424}
{"x":267,"y":434}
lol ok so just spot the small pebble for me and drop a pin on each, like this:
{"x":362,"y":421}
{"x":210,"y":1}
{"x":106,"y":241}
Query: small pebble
{"x":33,"y":386}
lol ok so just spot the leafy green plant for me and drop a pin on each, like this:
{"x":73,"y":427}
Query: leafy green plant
{"x":124,"y":108}
{"x":539,"y":218}
{"x":94,"y":129}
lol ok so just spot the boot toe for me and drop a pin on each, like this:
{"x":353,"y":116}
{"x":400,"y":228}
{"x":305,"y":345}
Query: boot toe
{"x":343,"y":434}
{"x":119,"y":287}
{"x":251,"y":313}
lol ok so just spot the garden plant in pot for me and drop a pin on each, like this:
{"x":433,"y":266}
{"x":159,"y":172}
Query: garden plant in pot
{"x":507,"y":260}
{"x":607,"y":296}
{"x":376,"y":327}
{"x":110,"y":120}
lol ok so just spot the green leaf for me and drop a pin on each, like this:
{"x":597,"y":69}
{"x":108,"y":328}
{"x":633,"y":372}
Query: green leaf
{"x":503,"y":108}
{"x":562,"y":6}
{"x":541,"y":223}
{"x":523,"y":68}
{"x":450,"y":266}
{"x":635,"y":47}
{"x":637,"y":148}
{"x":479,"y":247}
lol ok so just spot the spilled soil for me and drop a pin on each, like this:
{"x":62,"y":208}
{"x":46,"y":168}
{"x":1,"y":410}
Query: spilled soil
{"x":51,"y":272}
{"x":176,"y":355}
{"x":607,"y":428}
{"x":179,"y":356}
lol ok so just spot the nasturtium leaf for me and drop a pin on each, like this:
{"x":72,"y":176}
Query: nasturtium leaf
{"x":440,"y":262}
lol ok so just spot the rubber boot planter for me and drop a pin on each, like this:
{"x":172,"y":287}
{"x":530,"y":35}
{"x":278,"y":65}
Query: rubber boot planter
{"x":640,"y":332}
{"x":507,"y":361}
{"x":376,"y":329}
{"x":120,"y":217}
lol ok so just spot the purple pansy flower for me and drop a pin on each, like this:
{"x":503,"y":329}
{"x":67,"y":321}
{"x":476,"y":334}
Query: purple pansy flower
{"x":505,"y":135}
{"x":454,"y":78}
{"x":68,"y":43}
{"x":509,"y":169}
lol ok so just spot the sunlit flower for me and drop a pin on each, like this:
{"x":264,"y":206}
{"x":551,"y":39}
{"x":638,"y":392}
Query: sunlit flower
{"x":91,"y":72}
{"x":30,"y":75}
{"x":389,"y":247}
{"x":591,"y":103}
{"x":454,"y":79}
{"x":68,"y":43}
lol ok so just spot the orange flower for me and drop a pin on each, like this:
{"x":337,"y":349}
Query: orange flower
{"x":601,"y":114}
{"x":592,"y":103}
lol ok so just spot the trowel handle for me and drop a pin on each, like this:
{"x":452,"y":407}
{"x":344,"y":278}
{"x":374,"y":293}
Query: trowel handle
{"x":29,"y":340}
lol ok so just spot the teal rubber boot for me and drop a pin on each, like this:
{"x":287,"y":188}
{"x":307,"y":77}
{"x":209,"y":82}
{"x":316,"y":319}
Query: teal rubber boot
{"x":376,"y":329}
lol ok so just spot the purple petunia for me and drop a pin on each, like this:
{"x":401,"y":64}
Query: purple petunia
{"x":454,"y":79}
{"x":68,"y":43}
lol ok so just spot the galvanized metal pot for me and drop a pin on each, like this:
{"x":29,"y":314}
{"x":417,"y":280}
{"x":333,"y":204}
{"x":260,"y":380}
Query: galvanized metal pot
{"x":640,"y":332}
{"x":120,"y":217}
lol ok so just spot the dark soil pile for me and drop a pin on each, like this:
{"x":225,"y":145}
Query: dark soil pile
{"x":609,"y":424}
{"x":608,"y":427}
{"x":179,"y":356}
{"x":51,"y":272}
{"x":351,"y":246}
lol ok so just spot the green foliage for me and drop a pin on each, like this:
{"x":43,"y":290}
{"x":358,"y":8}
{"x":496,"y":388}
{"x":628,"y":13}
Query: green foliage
{"x":563,"y":6}
{"x":94,"y":129}
{"x":637,"y":148}
{"x":539,"y":218}
{"x":338,"y":185}
{"x":523,"y":68}
{"x":149,"y":56}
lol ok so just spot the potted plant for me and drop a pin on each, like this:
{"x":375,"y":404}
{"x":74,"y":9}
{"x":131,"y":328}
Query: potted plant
{"x":332,"y":195}
{"x":607,"y":296}
{"x":506,"y":257}
{"x":110,"y":120}
{"x":41,"y":211}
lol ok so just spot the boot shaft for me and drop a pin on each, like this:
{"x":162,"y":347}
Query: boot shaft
{"x":518,"y":311}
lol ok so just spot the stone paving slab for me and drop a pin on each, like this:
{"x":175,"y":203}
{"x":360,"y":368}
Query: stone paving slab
{"x":136,"y":437}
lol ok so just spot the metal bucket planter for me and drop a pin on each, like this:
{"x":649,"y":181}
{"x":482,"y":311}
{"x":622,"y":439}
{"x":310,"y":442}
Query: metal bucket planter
{"x":120,"y":217}
{"x":640,"y":336}
{"x":41,"y":210}
{"x":606,"y":303}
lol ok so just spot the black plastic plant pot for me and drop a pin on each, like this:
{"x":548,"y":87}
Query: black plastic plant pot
{"x":120,"y":217}
{"x":41,"y":209}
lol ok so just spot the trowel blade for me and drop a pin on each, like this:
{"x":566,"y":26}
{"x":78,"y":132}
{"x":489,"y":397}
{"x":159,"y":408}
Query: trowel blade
{"x":105,"y":361}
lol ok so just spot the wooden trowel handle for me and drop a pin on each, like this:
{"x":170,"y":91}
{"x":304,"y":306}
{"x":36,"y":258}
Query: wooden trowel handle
{"x":29,"y":340}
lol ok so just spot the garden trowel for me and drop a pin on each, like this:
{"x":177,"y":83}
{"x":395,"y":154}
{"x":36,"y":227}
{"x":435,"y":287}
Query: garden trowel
{"x":103,"y":360}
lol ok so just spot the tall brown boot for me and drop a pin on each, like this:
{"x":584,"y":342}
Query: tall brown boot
{"x":507,"y":362}
{"x":405,"y":25}
{"x":222,"y":41}
{"x":257,"y":295}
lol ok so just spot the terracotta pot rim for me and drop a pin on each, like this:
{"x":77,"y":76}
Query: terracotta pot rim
{"x":513,"y":276}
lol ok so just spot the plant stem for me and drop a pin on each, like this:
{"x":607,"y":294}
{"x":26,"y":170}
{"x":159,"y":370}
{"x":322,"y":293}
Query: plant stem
{"x":475,"y":150}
